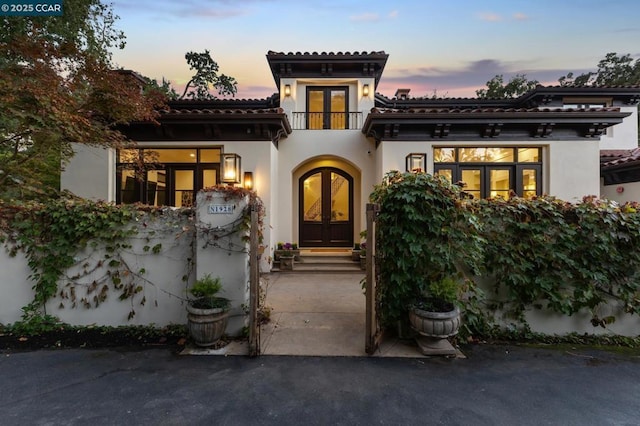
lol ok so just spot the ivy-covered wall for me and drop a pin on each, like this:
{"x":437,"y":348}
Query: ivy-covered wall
{"x":136,"y":272}
{"x":541,"y":264}
{"x":89,"y":262}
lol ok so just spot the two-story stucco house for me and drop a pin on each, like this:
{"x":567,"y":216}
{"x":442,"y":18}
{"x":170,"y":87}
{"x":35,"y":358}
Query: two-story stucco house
{"x":314,"y":150}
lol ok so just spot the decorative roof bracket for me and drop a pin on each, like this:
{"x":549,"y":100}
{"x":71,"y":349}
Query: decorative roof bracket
{"x":441,"y":130}
{"x":492,"y":130}
{"x":596,"y":130}
{"x":544,"y":130}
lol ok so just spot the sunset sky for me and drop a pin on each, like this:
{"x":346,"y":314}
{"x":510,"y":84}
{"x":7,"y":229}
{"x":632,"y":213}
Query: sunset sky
{"x":452,"y":47}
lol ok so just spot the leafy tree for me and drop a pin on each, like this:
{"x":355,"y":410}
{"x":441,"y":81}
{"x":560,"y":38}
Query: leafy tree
{"x":613,"y":70}
{"x":497,"y":89}
{"x":58,"y":86}
{"x":206,"y":75}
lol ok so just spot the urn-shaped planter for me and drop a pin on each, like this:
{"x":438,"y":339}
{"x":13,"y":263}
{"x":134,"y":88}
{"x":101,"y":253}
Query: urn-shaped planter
{"x":207,"y":314}
{"x":206,"y":326}
{"x":286,"y":262}
{"x":435,"y":324}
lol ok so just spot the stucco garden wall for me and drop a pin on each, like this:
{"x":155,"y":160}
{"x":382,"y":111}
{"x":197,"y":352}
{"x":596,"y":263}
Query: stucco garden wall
{"x":547,"y":322}
{"x":162,"y":286}
{"x":163,"y":260}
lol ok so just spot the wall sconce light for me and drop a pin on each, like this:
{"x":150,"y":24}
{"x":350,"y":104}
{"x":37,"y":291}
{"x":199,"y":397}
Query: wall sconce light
{"x":287,"y":90}
{"x":248,"y":180}
{"x":365,"y":90}
{"x":416,"y":163}
{"x":230,"y":168}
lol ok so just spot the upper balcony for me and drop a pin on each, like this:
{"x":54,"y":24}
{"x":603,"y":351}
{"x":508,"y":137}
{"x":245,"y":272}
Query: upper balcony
{"x":327,"y":120}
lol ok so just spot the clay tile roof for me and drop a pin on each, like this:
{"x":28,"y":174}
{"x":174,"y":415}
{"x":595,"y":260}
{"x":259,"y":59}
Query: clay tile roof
{"x":208,"y":111}
{"x":620,"y":157}
{"x":454,"y":110}
{"x":363,"y":53}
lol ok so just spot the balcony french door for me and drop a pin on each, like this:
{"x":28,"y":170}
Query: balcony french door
{"x":326,"y":208}
{"x":327,"y":108}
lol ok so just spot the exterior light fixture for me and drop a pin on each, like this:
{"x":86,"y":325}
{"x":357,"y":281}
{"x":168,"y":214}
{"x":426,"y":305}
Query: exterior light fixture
{"x":248,"y":180}
{"x":287,"y":90}
{"x":416,"y":163}
{"x":230,"y":168}
{"x":365,"y":90}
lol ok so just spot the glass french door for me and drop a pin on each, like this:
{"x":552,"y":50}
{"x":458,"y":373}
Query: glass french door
{"x":327,"y":108}
{"x":488,"y":182}
{"x":326,"y":208}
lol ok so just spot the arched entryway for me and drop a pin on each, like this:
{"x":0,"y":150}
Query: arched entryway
{"x":326,"y":217}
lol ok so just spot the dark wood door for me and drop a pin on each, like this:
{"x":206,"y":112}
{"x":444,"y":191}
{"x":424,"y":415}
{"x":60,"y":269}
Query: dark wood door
{"x":326,"y":208}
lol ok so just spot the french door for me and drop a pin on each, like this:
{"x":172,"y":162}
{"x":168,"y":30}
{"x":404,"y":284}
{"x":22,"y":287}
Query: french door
{"x":326,"y":208}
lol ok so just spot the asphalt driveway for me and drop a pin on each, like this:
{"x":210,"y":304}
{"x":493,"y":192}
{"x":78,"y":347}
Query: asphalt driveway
{"x":495,"y":385}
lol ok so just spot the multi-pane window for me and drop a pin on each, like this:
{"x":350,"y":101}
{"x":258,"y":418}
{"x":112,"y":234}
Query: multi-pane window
{"x":165,"y":177}
{"x":492,"y":171}
{"x":327,"y":108}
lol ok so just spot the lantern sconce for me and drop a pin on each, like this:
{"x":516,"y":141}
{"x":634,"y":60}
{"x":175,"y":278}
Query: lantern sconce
{"x":230,"y":168}
{"x":287,"y":90}
{"x":248,"y":180}
{"x":365,"y":90}
{"x":416,"y":163}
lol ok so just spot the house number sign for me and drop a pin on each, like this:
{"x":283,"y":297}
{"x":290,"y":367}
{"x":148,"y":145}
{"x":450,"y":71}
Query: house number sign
{"x":221,"y":208}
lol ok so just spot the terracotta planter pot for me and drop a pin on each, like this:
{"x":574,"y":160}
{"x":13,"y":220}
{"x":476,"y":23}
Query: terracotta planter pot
{"x":435,"y":324}
{"x":206,"y":326}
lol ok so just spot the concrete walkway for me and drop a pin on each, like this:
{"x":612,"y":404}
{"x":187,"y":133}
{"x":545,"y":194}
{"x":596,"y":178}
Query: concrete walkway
{"x":320,"y":315}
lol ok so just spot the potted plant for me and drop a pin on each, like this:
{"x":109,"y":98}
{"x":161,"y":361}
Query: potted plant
{"x":207,"y":313}
{"x":434,"y":313}
{"x":287,"y":249}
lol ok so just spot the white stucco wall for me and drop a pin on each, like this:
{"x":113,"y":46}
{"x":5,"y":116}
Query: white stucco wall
{"x":222,"y":255}
{"x":90,"y":173}
{"x":162,"y":298}
{"x":621,"y":192}
{"x":574,"y":169}
{"x":570,"y":168}
{"x":15,"y":286}
{"x":623,"y":135}
{"x":306,"y":149}
{"x":162,"y":284}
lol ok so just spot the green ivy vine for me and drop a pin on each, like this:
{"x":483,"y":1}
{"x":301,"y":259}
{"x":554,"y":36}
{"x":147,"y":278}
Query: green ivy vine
{"x":423,"y":236}
{"x":540,"y":253}
{"x":60,"y":235}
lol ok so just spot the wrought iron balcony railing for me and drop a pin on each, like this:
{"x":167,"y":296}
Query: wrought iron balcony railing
{"x":327,"y":120}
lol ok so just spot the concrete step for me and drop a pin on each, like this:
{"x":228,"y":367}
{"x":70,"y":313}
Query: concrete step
{"x":324,"y":263}
{"x":326,"y":259}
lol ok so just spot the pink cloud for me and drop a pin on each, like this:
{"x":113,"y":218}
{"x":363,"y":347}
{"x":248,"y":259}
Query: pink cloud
{"x":489,"y":16}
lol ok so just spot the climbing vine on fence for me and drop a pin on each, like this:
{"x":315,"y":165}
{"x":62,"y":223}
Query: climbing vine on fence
{"x":536,"y":253}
